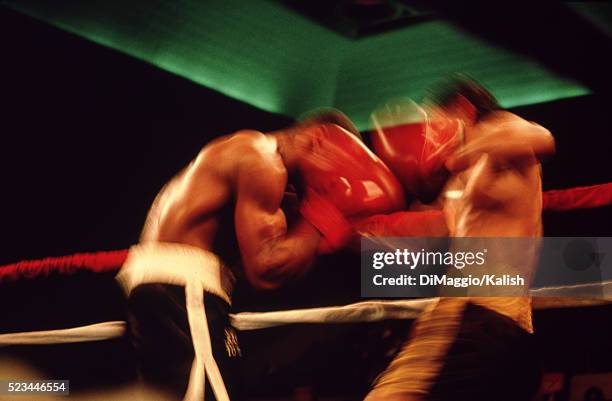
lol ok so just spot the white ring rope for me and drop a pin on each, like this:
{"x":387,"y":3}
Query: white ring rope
{"x":361,"y":312}
{"x":93,"y":332}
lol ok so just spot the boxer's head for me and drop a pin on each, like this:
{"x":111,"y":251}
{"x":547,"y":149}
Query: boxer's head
{"x":460,"y":97}
{"x":297,"y":139}
{"x":327,"y":116}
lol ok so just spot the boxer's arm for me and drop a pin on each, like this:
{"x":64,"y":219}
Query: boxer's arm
{"x":512,"y":139}
{"x":272,"y":255}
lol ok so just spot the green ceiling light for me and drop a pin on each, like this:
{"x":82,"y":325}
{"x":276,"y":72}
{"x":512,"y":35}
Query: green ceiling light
{"x":257,"y":52}
{"x":267,"y":55}
{"x":405,"y":62}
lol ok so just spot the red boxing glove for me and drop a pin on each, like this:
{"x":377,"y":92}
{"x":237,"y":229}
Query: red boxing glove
{"x":344,"y":182}
{"x":416,"y":152}
{"x":400,"y":147}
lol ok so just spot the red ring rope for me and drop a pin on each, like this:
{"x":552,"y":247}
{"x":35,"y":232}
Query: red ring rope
{"x":577,"y":198}
{"x":99,"y":262}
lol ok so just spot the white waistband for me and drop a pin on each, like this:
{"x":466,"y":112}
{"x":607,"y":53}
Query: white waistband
{"x":198,"y":271}
{"x":179,"y":264}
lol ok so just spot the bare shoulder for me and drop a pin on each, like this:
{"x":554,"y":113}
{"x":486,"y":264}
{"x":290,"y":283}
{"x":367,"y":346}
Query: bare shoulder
{"x":242,"y":139}
{"x":506,"y":118}
{"x":255,"y":149}
{"x":230,"y":151}
{"x":259,"y":169}
{"x":243,"y":142}
{"x":246,"y":135}
{"x":503,"y":114}
{"x":249,"y":154}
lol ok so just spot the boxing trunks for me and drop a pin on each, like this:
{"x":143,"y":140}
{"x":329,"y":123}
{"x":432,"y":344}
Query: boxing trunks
{"x":462,"y":350}
{"x":178,"y":304}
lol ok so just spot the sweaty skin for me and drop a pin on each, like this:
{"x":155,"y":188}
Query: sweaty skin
{"x":228,"y":200}
{"x":498,"y":176}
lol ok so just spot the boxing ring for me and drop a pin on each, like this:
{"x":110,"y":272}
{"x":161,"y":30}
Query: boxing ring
{"x":369,"y":311}
{"x":361,"y":312}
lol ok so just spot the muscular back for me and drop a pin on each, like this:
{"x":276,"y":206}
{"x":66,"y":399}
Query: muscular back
{"x":197,"y":206}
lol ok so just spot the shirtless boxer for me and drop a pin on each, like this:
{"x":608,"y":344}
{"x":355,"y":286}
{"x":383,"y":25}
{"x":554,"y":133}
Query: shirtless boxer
{"x":221,"y":219}
{"x":476,"y":348}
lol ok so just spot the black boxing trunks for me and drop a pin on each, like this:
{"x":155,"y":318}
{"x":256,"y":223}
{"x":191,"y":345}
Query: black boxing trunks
{"x":178,"y":302}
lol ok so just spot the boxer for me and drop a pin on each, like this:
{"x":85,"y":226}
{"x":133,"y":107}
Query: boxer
{"x":220,"y":219}
{"x":476,"y":348}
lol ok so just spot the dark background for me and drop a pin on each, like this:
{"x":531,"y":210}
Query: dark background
{"x":89,"y":135}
